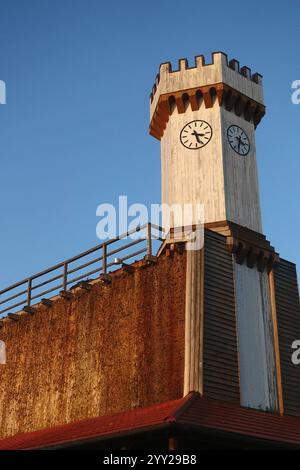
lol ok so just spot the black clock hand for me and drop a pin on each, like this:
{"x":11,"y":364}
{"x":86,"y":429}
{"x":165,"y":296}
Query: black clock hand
{"x":240,"y":141}
{"x":197,"y":135}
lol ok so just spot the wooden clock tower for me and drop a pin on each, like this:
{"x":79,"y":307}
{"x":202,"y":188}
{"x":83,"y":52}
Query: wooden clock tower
{"x":186,"y":347}
{"x":205,"y":117}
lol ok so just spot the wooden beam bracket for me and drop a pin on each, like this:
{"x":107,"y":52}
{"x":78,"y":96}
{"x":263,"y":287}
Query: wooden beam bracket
{"x":65,"y":294}
{"x":14,"y":316}
{"x":247,"y":245}
{"x":29,"y":309}
{"x":47,"y":302}
{"x":105,"y":278}
{"x":84,"y":285}
{"x":150,"y":259}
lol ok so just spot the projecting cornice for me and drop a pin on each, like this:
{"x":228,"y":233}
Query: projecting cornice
{"x":221,"y":82}
{"x":218,"y":94}
{"x":247,"y":246}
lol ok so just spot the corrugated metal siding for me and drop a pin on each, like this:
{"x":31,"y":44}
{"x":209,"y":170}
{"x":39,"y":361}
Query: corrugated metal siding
{"x":220,"y":357}
{"x":288,"y":318}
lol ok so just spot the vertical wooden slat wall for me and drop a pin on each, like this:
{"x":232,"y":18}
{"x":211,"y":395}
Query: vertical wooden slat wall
{"x":288,"y":319}
{"x":220,"y":355}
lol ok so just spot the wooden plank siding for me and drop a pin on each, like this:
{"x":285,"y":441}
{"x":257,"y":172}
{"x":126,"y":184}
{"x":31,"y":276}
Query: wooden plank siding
{"x":220,"y":356}
{"x":288,"y":319}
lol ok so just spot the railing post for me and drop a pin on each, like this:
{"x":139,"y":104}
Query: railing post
{"x":104,"y":259}
{"x":29,"y":292}
{"x":149,"y":239}
{"x":65,"y":279}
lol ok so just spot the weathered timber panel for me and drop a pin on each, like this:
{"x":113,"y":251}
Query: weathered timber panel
{"x":258,"y":384}
{"x":107,"y":350}
{"x":220,"y":356}
{"x":288,"y":320}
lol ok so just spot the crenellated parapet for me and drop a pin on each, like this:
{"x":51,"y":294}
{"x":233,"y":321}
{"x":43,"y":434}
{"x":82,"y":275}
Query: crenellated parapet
{"x":221,"y":82}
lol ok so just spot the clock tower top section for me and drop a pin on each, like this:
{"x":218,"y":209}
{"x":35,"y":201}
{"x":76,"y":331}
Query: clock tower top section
{"x":233,"y":87}
{"x":205,"y":118}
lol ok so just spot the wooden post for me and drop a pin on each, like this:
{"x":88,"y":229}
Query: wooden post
{"x":65,"y":278}
{"x":276,"y":343}
{"x":29,"y":292}
{"x":104,"y":259}
{"x":193,"y":366}
{"x":149,"y":240}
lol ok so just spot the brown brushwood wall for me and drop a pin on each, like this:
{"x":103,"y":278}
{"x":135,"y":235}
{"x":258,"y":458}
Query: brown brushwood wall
{"x":106,"y":350}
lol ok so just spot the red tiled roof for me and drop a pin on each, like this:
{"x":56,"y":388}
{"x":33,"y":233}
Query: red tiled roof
{"x":93,"y":427}
{"x":223,"y":416}
{"x":190,"y":410}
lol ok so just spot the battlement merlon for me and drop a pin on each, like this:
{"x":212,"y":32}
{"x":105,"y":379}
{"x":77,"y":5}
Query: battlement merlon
{"x":220,"y":71}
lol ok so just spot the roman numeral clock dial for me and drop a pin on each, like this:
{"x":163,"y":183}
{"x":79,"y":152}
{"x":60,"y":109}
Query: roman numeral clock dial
{"x":196,"y":134}
{"x":238,"y":140}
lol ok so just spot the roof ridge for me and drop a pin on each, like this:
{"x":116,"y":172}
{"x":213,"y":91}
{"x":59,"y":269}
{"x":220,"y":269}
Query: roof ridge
{"x":187,"y":401}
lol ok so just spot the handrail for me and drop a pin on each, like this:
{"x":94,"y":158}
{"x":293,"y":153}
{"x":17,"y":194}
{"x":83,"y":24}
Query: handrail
{"x":31,"y":290}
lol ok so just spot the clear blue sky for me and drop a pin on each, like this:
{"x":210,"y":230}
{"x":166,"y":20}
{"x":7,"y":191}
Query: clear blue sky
{"x":74,"y":132}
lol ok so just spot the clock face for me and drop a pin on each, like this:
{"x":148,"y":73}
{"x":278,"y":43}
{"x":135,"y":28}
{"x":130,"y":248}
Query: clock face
{"x":238,"y":140}
{"x":196,"y":134}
